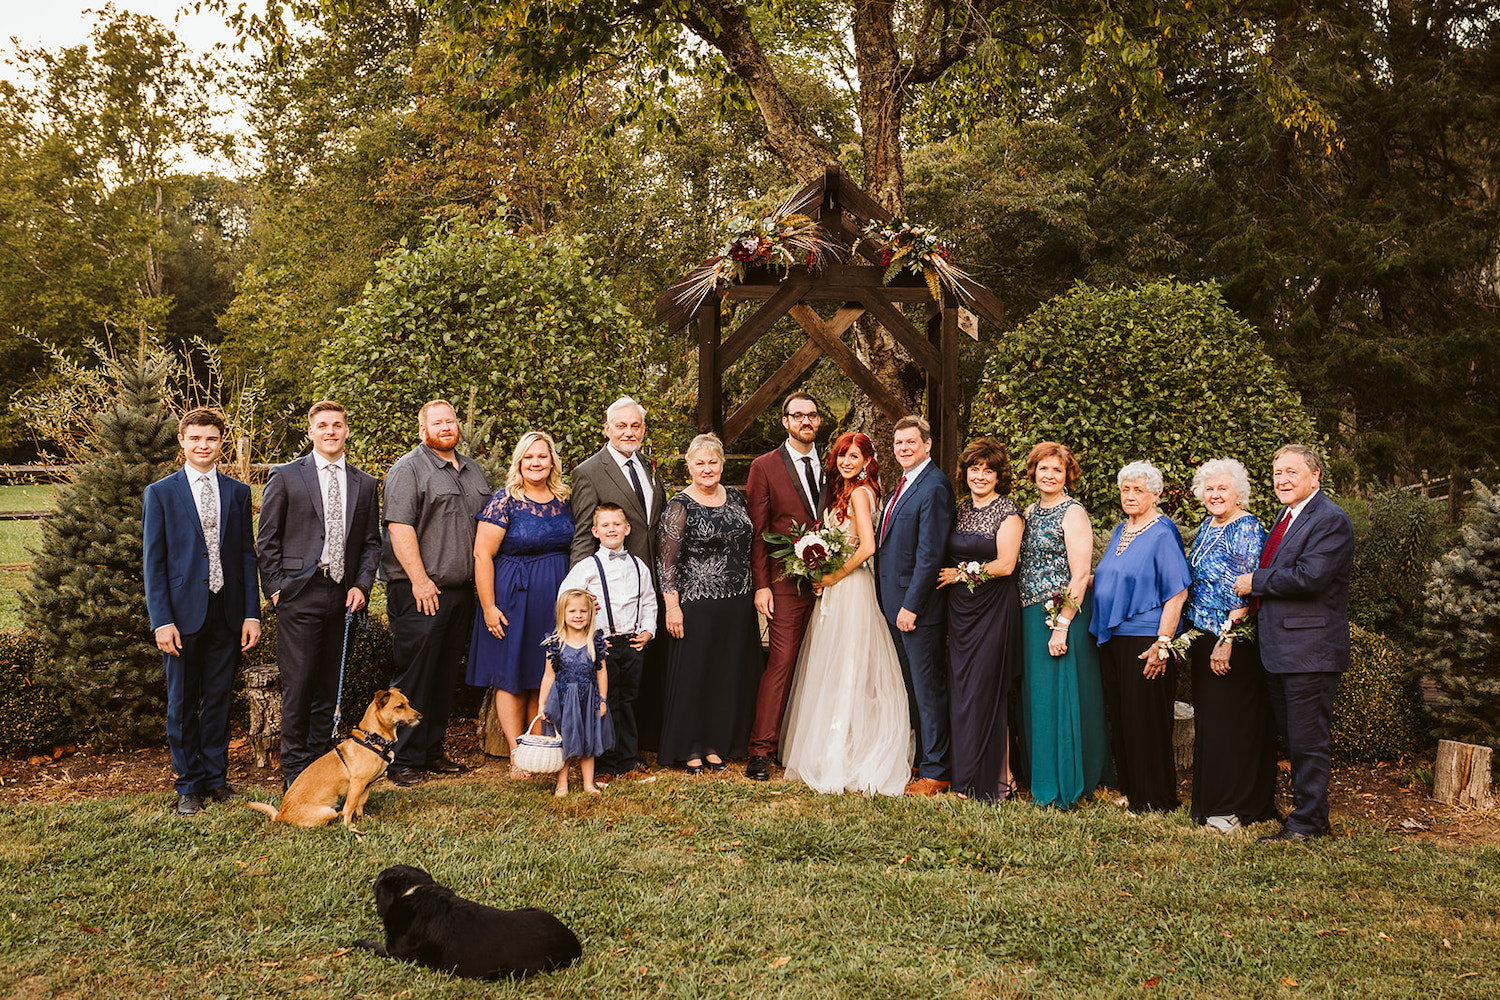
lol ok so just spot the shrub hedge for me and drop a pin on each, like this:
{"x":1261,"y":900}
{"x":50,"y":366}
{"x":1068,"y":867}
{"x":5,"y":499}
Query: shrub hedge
{"x":1378,"y":715}
{"x":31,"y":719}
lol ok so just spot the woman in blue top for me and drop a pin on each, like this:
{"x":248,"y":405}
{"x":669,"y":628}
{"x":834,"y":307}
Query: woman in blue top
{"x":1140,"y":586}
{"x":1234,"y":751}
{"x":520,"y":558}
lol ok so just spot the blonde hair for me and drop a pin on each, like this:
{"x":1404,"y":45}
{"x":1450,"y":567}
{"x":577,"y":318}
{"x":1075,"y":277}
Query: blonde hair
{"x":562,"y":611}
{"x":514,"y":485}
{"x":705,"y":442}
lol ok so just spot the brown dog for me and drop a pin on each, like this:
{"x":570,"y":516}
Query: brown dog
{"x":348,"y":770}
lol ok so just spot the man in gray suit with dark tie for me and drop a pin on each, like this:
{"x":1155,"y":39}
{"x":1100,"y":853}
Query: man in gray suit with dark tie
{"x":616,"y":474}
{"x":318,"y":548}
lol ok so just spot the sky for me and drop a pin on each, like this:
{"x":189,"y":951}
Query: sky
{"x":56,"y":24}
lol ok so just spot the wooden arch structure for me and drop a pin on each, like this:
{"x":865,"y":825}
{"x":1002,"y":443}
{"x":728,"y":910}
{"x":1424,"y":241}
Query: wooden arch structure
{"x":842,"y":210}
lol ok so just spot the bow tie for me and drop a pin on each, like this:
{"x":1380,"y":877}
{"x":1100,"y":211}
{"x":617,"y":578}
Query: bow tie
{"x":620,"y":554}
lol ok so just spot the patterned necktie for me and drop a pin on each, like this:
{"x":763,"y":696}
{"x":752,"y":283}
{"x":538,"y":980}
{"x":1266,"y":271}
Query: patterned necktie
{"x":335,"y":518}
{"x":635,"y":484}
{"x":885,"y":522}
{"x":208,"y":513}
{"x":812,"y":481}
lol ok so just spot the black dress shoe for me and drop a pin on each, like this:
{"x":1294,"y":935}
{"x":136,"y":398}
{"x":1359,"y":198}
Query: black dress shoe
{"x":405,"y":776}
{"x":443,"y":765}
{"x":758,"y":768}
{"x":222,"y":794}
{"x":1289,"y":836}
{"x":189,"y":803}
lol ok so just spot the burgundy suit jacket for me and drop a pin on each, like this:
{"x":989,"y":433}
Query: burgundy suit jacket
{"x":775,"y":505}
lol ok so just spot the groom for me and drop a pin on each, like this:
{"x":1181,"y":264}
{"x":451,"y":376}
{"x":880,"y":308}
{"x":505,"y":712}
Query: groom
{"x":784,"y":489}
{"x":913,"y":538}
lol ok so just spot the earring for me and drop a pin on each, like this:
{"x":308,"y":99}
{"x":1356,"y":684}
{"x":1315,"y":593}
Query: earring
{"x":863,"y":475}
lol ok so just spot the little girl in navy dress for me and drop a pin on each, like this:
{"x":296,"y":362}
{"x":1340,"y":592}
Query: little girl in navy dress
{"x":575,"y":686}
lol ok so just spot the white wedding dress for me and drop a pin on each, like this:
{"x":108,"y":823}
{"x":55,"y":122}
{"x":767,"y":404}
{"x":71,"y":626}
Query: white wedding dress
{"x":847,"y":727}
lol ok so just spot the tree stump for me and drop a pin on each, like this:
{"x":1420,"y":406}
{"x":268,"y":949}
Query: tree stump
{"x":1461,"y":776}
{"x":491,"y":734}
{"x":1182,"y":737}
{"x":263,"y":692}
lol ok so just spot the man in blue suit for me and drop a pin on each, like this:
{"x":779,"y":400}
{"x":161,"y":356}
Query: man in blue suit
{"x":913,"y":537}
{"x":319,"y":548}
{"x":201,"y":595}
{"x":1302,"y":624}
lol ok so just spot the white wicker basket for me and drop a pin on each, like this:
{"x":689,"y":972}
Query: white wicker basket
{"x":536,"y":753}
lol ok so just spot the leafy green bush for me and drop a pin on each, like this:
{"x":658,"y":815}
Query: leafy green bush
{"x":1462,"y":619}
{"x":1399,"y":534}
{"x":1378,"y":714}
{"x":1165,"y":372}
{"x":30,"y":716}
{"x":523,"y":322}
{"x":369,"y":667}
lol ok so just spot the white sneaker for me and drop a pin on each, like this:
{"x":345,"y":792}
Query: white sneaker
{"x":1224,"y":824}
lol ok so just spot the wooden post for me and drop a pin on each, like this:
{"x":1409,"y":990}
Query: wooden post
{"x":1461,"y":776}
{"x":710,"y":411}
{"x":947,"y":415}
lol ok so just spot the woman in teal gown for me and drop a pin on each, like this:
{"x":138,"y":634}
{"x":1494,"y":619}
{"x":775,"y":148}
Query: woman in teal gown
{"x":1062,"y":697}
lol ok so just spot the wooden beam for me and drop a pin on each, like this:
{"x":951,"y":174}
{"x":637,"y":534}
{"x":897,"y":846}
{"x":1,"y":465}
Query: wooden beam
{"x":829,"y":337}
{"x":947,"y":415}
{"x":787,"y":295}
{"x":901,"y":328}
{"x":745,"y":414}
{"x":709,"y":411}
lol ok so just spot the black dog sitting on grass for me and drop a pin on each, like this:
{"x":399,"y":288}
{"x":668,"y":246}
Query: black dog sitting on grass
{"x":433,"y":926}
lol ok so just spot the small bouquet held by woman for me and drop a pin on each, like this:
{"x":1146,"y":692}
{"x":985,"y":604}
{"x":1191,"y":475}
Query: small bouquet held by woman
{"x":810,"y":553}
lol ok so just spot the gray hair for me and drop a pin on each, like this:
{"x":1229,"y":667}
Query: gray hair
{"x":622,"y":402}
{"x":705,"y":442}
{"x":1309,"y":455}
{"x":1144,"y":473}
{"x":1217,"y":468}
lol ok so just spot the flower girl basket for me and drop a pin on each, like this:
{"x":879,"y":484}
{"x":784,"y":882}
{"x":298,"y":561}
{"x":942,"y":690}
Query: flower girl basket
{"x":537,"y":753}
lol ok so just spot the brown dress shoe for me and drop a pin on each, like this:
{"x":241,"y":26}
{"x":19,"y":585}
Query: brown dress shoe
{"x":603,"y":780}
{"x":927,"y":786}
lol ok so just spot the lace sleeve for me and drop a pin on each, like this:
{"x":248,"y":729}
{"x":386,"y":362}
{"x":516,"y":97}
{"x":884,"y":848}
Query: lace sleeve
{"x":497,"y":511}
{"x":669,"y":544}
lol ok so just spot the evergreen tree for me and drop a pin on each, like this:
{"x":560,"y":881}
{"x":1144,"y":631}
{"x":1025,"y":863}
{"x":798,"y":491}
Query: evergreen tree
{"x":1463,"y":627}
{"x":87,"y":600}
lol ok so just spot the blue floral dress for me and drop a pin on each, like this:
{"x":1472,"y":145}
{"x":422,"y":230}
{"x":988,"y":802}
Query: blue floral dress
{"x":529,"y":568}
{"x":573,"y":701}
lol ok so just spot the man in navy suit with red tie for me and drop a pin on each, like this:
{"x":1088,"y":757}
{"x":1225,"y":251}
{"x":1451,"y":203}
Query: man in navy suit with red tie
{"x":201,"y":595}
{"x":1302,"y":624}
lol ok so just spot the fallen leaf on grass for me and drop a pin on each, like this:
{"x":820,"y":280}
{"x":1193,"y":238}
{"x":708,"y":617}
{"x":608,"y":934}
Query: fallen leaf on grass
{"x":409,"y":836}
{"x":89,"y":930}
{"x":1288,"y":981}
{"x":1393,"y":850}
{"x":1151,"y":983}
{"x":1384,"y":936}
{"x":641,"y":971}
{"x":777,"y":963}
{"x":1447,"y":943}
{"x":341,"y":952}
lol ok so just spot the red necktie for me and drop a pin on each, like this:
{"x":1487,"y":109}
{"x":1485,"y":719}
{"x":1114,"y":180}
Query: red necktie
{"x":885,"y":524}
{"x":1277,"y":533}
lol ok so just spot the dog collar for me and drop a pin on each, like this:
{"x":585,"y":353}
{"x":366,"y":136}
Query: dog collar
{"x":374,"y":741}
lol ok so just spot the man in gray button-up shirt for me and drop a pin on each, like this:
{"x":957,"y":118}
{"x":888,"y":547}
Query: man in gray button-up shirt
{"x":432,"y":495}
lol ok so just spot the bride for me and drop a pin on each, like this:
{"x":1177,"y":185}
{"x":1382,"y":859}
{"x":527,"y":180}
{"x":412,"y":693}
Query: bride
{"x":846,"y":725}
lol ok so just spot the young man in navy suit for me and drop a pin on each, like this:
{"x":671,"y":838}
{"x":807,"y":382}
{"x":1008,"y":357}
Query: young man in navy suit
{"x":913,"y":537}
{"x":201,"y":596}
{"x":319,"y":548}
{"x":1303,"y":628}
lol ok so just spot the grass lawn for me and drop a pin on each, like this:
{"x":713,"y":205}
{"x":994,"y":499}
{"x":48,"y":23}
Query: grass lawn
{"x":709,"y":888}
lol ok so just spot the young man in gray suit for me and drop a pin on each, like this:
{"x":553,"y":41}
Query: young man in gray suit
{"x":1302,"y":626}
{"x":318,"y":548}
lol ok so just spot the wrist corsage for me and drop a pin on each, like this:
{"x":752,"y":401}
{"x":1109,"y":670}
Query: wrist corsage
{"x":1239,"y":630}
{"x":1056,"y":605}
{"x":972,"y":574}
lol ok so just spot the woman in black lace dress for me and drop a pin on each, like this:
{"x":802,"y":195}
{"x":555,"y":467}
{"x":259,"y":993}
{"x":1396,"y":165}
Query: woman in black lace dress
{"x":984,"y":624}
{"x":714,"y":658}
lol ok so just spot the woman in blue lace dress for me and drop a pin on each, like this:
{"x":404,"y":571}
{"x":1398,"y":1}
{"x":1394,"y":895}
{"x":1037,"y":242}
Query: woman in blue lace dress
{"x":714,"y":659}
{"x":984,"y":624}
{"x":1062,"y":698}
{"x":1234,"y":749}
{"x":520,"y":558}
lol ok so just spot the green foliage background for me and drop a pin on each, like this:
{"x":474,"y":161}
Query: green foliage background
{"x":1165,"y":372}
{"x":524,"y":322}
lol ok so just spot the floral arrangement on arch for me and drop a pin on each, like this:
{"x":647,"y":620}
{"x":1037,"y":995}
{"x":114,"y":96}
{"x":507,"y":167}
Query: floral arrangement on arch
{"x":783,"y":238}
{"x":906,"y":246}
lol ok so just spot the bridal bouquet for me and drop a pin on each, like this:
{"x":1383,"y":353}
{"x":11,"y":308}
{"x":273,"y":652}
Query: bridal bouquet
{"x":972,"y":574}
{"x":810,"y":553}
{"x":1056,"y":605}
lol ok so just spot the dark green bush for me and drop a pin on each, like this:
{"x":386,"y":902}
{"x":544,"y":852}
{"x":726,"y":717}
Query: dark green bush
{"x":369,"y":667}
{"x":1378,"y":715}
{"x":30,"y":717}
{"x":1399,"y":534}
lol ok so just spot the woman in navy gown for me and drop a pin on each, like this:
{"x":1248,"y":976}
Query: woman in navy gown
{"x":984,"y":624}
{"x":520,"y":558}
{"x":1140,"y":586}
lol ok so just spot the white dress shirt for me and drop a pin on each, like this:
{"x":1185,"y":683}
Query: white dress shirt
{"x":631,"y":596}
{"x":623,"y":461}
{"x":323,"y":479}
{"x":910,"y":477}
{"x":1296,"y":508}
{"x":801,"y":476}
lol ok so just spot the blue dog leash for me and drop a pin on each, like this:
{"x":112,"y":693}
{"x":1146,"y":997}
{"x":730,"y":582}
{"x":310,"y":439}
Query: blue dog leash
{"x":338,"y":701}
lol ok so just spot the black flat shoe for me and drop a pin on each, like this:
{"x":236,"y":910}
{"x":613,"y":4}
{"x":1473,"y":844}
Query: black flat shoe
{"x":694,"y":768}
{"x":1289,"y":836}
{"x":714,"y":765}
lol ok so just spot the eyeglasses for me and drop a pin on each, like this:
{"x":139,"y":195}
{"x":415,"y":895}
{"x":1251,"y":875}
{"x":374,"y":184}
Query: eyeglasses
{"x":804,"y":418}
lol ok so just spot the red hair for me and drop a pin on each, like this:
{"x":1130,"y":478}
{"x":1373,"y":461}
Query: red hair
{"x":843,"y":488}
